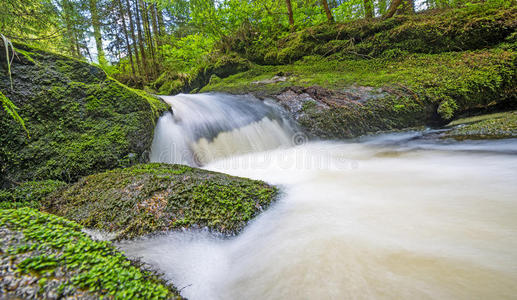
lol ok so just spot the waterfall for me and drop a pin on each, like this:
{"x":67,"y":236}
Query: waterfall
{"x":207,"y":127}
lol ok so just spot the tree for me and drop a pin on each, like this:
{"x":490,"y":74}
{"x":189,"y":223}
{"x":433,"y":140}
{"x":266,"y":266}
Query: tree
{"x":126,"y":36}
{"x":141,"y":41}
{"x":133,"y":37}
{"x":407,"y":8}
{"x":94,"y":12}
{"x":392,"y":9}
{"x":368,"y":9}
{"x":327,"y":10}
{"x":290,"y":13}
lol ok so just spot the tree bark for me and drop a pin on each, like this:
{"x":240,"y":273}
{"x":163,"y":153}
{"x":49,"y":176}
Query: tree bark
{"x":133,"y":37}
{"x":394,"y":5}
{"x":161,"y":23}
{"x":368,"y":9}
{"x":148,"y":36}
{"x":156,"y":31}
{"x":290,"y":13}
{"x":130,"y":52}
{"x":97,"y":31}
{"x":141,"y":40}
{"x":327,"y":11}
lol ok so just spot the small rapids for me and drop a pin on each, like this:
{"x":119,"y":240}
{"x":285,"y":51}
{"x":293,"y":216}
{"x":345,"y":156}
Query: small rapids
{"x":396,"y":216}
{"x":207,"y":127}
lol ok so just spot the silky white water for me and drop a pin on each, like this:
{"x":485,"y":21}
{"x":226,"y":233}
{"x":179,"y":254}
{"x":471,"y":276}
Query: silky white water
{"x":398,"y":216}
{"x":207,"y":127}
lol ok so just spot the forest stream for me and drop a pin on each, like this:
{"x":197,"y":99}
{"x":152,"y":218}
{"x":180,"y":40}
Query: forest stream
{"x":394,"y":216}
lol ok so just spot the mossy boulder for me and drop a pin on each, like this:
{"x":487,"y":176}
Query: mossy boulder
{"x":470,"y":28}
{"x":359,"y":110}
{"x":154,"y":197}
{"x":43,"y":256}
{"x":79,"y":120}
{"x":29,"y":193}
{"x":220,"y":66}
{"x":490,"y":126}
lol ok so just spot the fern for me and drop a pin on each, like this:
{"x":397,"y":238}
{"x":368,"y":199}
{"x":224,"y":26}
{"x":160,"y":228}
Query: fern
{"x":7,"y":104}
{"x":10,"y":59}
{"x":10,"y":109}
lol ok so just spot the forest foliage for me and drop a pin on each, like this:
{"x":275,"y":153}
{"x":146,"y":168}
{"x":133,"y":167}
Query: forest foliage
{"x":138,"y":40}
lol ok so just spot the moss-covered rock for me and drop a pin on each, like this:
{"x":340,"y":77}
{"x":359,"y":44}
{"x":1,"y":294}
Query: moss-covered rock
{"x":79,"y":120}
{"x":47,"y":257}
{"x":155,"y":197}
{"x":29,"y":193}
{"x":220,"y":66}
{"x":490,"y":126}
{"x":360,"y":96}
{"x":469,"y":28}
{"x":369,"y":75}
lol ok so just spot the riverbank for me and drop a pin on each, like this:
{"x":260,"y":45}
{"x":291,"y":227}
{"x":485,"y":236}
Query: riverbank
{"x":345,"y":80}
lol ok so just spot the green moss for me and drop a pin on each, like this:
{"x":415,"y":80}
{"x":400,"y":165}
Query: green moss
{"x":53,"y":246}
{"x":491,"y":126}
{"x":455,"y":81}
{"x":29,"y":193}
{"x":470,"y":28}
{"x":80,"y":120}
{"x":154,"y":197}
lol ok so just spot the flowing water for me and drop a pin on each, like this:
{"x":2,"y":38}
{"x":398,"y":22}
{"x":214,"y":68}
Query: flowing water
{"x":396,"y":216}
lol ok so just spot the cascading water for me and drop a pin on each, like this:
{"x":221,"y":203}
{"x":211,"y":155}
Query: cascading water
{"x":206,"y":127}
{"x":397,"y":216}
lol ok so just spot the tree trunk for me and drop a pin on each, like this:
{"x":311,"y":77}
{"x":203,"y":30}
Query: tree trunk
{"x":148,"y":36}
{"x":97,"y":31}
{"x":141,"y":41}
{"x":368,"y":9}
{"x":133,"y":37}
{"x":156,"y":31}
{"x":130,"y":52}
{"x":394,"y":5}
{"x":327,"y":10}
{"x":290,"y":13}
{"x":161,"y":23}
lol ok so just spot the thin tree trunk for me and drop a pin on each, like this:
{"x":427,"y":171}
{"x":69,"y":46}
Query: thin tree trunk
{"x":133,"y":37}
{"x":141,"y":41}
{"x":327,"y":10}
{"x":148,"y":36}
{"x":290,"y":13}
{"x":156,"y":31}
{"x":68,"y":23}
{"x":130,"y":52}
{"x":394,"y":5}
{"x":161,"y":23}
{"x":368,"y":9}
{"x":97,"y":31}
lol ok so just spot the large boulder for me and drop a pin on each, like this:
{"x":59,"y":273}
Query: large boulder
{"x":79,"y":120}
{"x":148,"y":198}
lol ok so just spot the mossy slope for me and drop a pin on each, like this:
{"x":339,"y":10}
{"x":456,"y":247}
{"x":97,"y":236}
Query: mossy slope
{"x":79,"y":120}
{"x":29,"y":193}
{"x":155,"y":197}
{"x":372,"y":75}
{"x":45,"y":256}
{"x":491,"y":126}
